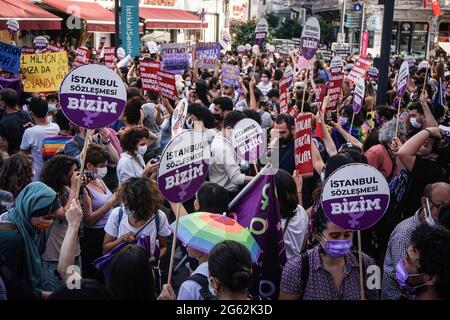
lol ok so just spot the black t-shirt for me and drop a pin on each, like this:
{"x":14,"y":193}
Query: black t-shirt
{"x":12,"y":129}
{"x":287,"y":158}
{"x":424,"y":172}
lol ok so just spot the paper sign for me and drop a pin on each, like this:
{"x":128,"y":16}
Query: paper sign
{"x":284,"y":106}
{"x":358,"y":98}
{"x":40,"y":42}
{"x":373,"y":73}
{"x":43,"y":72}
{"x":310,"y":38}
{"x":341,"y":49}
{"x":109,"y":56}
{"x":175,"y":57}
{"x":179,"y":117}
{"x":149,"y":75}
{"x":101,"y":44}
{"x":321,"y":91}
{"x":402,"y":79}
{"x":152,"y":47}
{"x":335,"y":84}
{"x":121,"y":53}
{"x":184,"y":166}
{"x":355,"y":196}
{"x":261,"y":31}
{"x":226,"y":40}
{"x":27,"y":50}
{"x":231,"y":75}
{"x":248,"y":47}
{"x":12,"y":25}
{"x":303,"y":156}
{"x":411,"y":61}
{"x":9,"y":57}
{"x":359,"y":70}
{"x":255,"y":49}
{"x":248,"y":140}
{"x":241,"y":49}
{"x":364,"y":44}
{"x":289,"y":75}
{"x":207,"y":54}
{"x":166,"y":83}
{"x":125,"y":62}
{"x":82,"y":58}
{"x":54,"y":48}
{"x":92,"y":96}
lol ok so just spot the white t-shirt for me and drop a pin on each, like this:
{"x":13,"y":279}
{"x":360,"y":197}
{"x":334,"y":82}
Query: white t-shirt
{"x":265,"y":88}
{"x":32,"y":141}
{"x":114,"y":230}
{"x":128,"y":167}
{"x":296,"y":232}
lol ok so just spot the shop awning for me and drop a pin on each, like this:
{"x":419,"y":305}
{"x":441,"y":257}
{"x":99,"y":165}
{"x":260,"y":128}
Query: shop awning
{"x":445,"y":46}
{"x":162,"y":18}
{"x":98,"y":18}
{"x":29,"y":15}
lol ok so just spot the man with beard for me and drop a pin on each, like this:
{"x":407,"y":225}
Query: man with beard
{"x":284,"y":129}
{"x":220,"y":108}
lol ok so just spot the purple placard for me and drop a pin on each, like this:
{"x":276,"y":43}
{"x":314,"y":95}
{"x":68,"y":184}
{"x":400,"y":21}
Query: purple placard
{"x":92,"y":96}
{"x":402,"y":79}
{"x":373,"y":73}
{"x":310,"y":39}
{"x":207,"y":54}
{"x":355,"y":196}
{"x":248,"y":140}
{"x":175,"y":57}
{"x":184,"y":166}
{"x":40,"y":42}
{"x":261,"y":31}
{"x":12,"y":25}
{"x":358,"y":98}
{"x":231,"y":75}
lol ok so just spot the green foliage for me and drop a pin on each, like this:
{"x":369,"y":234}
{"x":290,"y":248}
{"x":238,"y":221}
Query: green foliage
{"x":289,"y":29}
{"x":326,"y":31}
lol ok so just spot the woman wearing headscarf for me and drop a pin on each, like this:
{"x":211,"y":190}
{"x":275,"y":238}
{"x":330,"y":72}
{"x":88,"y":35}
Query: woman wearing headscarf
{"x":34,"y":209}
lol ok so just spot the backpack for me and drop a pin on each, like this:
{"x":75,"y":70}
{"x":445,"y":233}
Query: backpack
{"x":202,"y":280}
{"x":16,"y":288}
{"x":54,"y":145}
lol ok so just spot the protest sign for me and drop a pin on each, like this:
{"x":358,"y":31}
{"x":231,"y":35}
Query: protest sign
{"x":166,"y":84}
{"x":248,"y":47}
{"x":27,"y":50}
{"x":101,"y":44}
{"x":248,"y":140}
{"x":341,"y":49}
{"x":355,"y":196}
{"x":364,"y":44}
{"x":179,"y":116}
{"x":324,"y":53}
{"x":241,"y":49}
{"x":149,"y":75}
{"x":109,"y":57}
{"x":303,"y":131}
{"x":359,"y":70}
{"x":129,"y":26}
{"x":310,"y":38}
{"x":40,"y":42}
{"x":184,"y":166}
{"x":411,"y":61}
{"x":207,"y":54}
{"x":231,"y":75}
{"x":358,"y":98}
{"x":402,"y":79}
{"x":174,"y":57}
{"x":125,"y":62}
{"x":433,"y":34}
{"x":12,"y":83}
{"x":373,"y":73}
{"x":302,"y":63}
{"x":92,"y":96}
{"x":82,"y":58}
{"x":9,"y":57}
{"x":321,"y":91}
{"x":54,"y":48}
{"x":255,"y":49}
{"x":261,"y":31}
{"x":289,"y":75}
{"x":226,"y":40}
{"x":335,"y":84}
{"x":12,"y":25}
{"x":284,"y":46}
{"x":284,"y":106}
{"x":43,"y":72}
{"x":152,"y":47}
{"x":121,"y":53}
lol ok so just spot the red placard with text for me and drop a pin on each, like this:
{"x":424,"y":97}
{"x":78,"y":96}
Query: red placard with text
{"x":149,"y":75}
{"x":303,"y":154}
{"x":284,"y":106}
{"x":109,"y":54}
{"x":166,"y":83}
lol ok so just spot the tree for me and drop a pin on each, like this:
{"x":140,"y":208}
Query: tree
{"x":245,"y":33}
{"x":289,"y":29}
{"x":326,"y":31}
{"x":272,"y":19}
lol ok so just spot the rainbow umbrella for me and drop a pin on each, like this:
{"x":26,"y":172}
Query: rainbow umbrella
{"x":203,"y":230}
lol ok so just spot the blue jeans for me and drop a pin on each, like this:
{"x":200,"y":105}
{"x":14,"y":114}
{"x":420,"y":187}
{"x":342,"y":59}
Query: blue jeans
{"x":50,"y":277}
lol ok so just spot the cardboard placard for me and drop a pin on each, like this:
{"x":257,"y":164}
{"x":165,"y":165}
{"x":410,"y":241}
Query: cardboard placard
{"x":303,"y":133}
{"x":9,"y":57}
{"x":149,"y":75}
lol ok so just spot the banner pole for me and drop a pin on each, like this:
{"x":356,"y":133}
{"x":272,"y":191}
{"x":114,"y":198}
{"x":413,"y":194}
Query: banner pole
{"x":398,"y":116}
{"x":361,"y":274}
{"x":351,"y":127}
{"x":87,"y":142}
{"x":306,"y":87}
{"x":174,"y":243}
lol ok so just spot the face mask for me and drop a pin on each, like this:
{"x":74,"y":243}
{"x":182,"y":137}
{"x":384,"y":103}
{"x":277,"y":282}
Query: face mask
{"x":44,"y":225}
{"x":142,"y":150}
{"x":265,"y":80}
{"x":343,"y":121}
{"x":414,"y":123}
{"x":322,"y":176}
{"x":428,"y":217}
{"x":188,"y":83}
{"x":402,"y":275}
{"x":52,"y":107}
{"x":101,"y":173}
{"x":337,"y":248}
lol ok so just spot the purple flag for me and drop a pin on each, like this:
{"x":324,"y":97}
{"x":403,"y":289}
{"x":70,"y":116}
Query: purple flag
{"x":12,"y":83}
{"x":256,"y":208}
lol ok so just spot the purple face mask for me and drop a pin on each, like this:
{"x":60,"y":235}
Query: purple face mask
{"x":337,"y":248}
{"x":402,"y":275}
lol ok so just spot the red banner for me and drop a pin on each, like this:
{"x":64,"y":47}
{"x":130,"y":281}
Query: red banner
{"x":149,"y":75}
{"x":54,"y":48}
{"x":101,"y":44}
{"x":303,"y":156}
{"x":109,"y":55}
{"x":364,"y":44}
{"x":166,"y":82}
{"x":335,"y":86}
{"x":321,"y":90}
{"x":284,"y":107}
{"x":359,"y":70}
{"x":83,"y":55}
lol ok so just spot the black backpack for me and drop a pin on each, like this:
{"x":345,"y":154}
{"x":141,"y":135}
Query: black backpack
{"x":16,"y":288}
{"x":204,"y":283}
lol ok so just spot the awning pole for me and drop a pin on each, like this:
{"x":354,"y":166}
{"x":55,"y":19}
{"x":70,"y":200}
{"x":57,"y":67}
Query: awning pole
{"x":117,"y":24}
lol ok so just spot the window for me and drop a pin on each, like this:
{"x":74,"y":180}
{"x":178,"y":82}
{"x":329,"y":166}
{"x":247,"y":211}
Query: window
{"x":419,"y":39}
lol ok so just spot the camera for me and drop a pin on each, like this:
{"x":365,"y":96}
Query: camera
{"x":155,"y":160}
{"x":89,"y":175}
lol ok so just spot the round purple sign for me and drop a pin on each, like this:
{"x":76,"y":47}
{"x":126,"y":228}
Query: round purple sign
{"x":184,"y":166}
{"x":355,"y":196}
{"x":12,"y":25}
{"x":92,"y":96}
{"x":310,"y":39}
{"x":248,"y":140}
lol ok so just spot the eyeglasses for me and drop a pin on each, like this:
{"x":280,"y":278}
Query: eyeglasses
{"x":438,"y":207}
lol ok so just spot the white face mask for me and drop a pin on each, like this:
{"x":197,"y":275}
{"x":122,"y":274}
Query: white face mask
{"x":188,"y":84}
{"x":52,"y":107}
{"x":414,"y":123}
{"x":142,"y":150}
{"x":428,"y":217}
{"x":101,"y":172}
